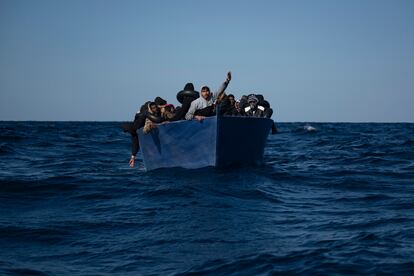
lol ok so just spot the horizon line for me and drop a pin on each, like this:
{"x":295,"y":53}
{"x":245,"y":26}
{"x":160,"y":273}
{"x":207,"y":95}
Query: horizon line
{"x":106,"y":121}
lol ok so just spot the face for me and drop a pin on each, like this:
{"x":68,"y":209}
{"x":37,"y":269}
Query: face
{"x":205,"y":93}
{"x":237,"y":105}
{"x":231,"y":99}
{"x":154,"y":108}
{"x":253,"y":105}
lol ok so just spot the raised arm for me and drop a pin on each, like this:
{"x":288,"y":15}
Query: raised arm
{"x":223,"y":87}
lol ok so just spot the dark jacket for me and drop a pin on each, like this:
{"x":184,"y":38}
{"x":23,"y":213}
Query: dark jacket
{"x":180,"y":112}
{"x":226,"y":108}
{"x":259,"y":112}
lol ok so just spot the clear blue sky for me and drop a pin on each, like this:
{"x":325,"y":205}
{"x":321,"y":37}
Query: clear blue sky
{"x":347,"y":61}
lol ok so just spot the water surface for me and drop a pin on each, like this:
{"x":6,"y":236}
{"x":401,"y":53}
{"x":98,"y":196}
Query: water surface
{"x":338,"y":200}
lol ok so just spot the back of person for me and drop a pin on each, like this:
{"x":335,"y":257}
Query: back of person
{"x":268,"y":112}
{"x":228,"y":106}
{"x":185,"y":97}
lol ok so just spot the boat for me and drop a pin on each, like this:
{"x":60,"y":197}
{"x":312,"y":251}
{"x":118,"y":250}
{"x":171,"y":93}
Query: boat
{"x":218,"y":141}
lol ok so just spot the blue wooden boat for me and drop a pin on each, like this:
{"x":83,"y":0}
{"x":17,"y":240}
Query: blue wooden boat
{"x":217,"y":141}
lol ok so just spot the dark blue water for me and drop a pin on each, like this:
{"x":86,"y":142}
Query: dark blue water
{"x":338,"y":200}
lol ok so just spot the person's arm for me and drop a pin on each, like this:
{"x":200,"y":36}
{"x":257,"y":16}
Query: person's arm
{"x":180,"y":113}
{"x":138,"y":123}
{"x":191,"y":110}
{"x":135,"y":149}
{"x":223,"y":87}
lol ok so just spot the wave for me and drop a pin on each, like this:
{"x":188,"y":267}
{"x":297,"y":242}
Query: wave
{"x":23,"y":271}
{"x":11,"y":138}
{"x":334,"y":201}
{"x":31,"y":234}
{"x":6,"y":149}
{"x":51,"y":185}
{"x":315,"y":261}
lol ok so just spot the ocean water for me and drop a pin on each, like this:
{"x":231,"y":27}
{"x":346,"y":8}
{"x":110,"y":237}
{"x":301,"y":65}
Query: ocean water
{"x":336,"y":200}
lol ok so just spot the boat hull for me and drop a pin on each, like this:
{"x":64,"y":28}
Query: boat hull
{"x":215,"y":141}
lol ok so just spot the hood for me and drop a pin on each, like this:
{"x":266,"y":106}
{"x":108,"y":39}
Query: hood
{"x":207,"y":102}
{"x":149,"y":109}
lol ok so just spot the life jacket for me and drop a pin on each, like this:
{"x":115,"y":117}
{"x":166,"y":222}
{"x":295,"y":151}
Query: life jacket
{"x":191,"y":94}
{"x":259,"y":112}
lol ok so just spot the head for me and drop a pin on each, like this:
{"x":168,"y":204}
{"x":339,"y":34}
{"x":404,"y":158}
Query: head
{"x":160,"y":101}
{"x":260,"y":98}
{"x":231,"y":99}
{"x":205,"y":92}
{"x":237,"y":105}
{"x":153,"y":108}
{"x":169,"y":108}
{"x":189,"y":87}
{"x":167,"y":111}
{"x":252,"y":101}
{"x":187,"y":93}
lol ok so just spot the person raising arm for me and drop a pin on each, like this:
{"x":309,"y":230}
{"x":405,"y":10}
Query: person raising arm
{"x":203,"y":106}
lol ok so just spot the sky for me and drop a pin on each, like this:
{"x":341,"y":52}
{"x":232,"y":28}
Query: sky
{"x":314,"y":61}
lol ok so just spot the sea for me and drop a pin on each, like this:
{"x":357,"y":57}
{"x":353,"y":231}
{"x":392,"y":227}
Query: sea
{"x":330,"y":199}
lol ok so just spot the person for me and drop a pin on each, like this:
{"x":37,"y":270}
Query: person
{"x":237,"y":107}
{"x":160,"y":102}
{"x":259,"y":107}
{"x":185,"y":97}
{"x":167,"y":112}
{"x":203,"y":106}
{"x":139,"y":122}
{"x":131,"y":128}
{"x":268,"y":111}
{"x":243,"y":104}
{"x":228,"y":106}
{"x":254,"y":109}
{"x":153,"y":117}
{"x":232,"y":100}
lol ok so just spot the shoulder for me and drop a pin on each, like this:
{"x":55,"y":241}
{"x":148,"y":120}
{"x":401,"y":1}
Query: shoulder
{"x":196,"y":101}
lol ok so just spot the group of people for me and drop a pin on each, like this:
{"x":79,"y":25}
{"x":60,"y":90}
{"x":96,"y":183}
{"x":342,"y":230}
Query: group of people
{"x":195,"y":106}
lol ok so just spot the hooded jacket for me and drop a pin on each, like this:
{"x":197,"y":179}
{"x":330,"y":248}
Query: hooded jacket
{"x":149,"y":124}
{"x":201,"y":103}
